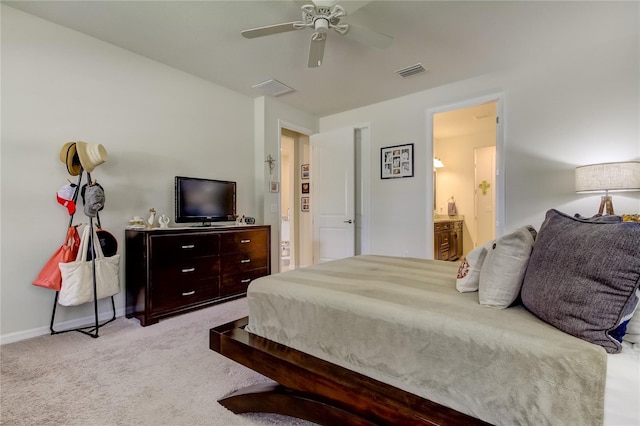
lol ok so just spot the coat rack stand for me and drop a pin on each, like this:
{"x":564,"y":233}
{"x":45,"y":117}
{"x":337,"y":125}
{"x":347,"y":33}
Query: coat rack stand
{"x":90,"y":330}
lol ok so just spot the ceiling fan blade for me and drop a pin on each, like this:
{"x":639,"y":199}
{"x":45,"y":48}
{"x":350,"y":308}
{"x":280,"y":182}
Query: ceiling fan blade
{"x":316,"y":52}
{"x":325,"y":3}
{"x":350,"y":5}
{"x":369,"y":37}
{"x":269,"y":30}
{"x":353,"y":6}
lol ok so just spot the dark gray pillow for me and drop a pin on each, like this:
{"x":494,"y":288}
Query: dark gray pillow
{"x":599,"y":218}
{"x":583,"y":276}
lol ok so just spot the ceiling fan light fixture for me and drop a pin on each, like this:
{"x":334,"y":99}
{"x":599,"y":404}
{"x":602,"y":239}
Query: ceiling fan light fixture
{"x":342,"y":28}
{"x":273,"y":87}
{"x":321,"y":25}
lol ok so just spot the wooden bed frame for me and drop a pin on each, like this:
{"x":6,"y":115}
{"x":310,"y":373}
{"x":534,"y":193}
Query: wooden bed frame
{"x":319,"y":391}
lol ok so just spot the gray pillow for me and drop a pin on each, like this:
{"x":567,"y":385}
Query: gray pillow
{"x":582,"y":277}
{"x":599,"y":218}
{"x":503,"y":268}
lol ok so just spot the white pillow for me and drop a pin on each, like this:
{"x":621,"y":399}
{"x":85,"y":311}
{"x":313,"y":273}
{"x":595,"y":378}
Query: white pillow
{"x":504,"y":267}
{"x":469,"y":271}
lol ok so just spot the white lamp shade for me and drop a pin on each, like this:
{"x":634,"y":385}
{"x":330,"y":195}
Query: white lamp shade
{"x":623,"y":176}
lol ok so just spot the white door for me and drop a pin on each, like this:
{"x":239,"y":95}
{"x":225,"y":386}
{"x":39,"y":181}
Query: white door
{"x":485,"y":199}
{"x":332,"y":200}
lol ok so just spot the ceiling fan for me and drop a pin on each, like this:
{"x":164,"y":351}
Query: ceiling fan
{"x":321,"y":16}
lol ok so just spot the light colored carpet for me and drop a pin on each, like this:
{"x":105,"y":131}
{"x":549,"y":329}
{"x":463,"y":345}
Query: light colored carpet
{"x":163,"y":374}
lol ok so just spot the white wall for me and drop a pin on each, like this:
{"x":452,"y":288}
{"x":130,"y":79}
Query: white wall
{"x":155,"y":122}
{"x":305,"y":225}
{"x":576,"y":108}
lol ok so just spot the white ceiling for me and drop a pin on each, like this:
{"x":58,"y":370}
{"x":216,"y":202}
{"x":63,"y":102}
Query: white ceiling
{"x":454,"y":40}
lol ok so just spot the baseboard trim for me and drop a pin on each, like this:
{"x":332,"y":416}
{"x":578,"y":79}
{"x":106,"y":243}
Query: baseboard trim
{"x":65,"y":325}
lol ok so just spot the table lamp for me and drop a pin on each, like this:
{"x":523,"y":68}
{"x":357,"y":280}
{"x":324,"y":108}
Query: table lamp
{"x":605,"y":177}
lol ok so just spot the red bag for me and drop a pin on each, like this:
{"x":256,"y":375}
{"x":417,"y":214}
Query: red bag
{"x":50,"y":276}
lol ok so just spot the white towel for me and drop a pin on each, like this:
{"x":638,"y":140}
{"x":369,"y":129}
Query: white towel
{"x":452,"y":210}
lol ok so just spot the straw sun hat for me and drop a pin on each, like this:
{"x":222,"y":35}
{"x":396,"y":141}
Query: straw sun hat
{"x":91,"y":155}
{"x":82,"y":155}
{"x":69,"y":156}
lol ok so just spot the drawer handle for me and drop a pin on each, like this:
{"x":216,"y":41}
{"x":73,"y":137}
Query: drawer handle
{"x":188,"y":246}
{"x":248,"y":280}
{"x":245,"y":260}
{"x":245,"y":241}
{"x":189,"y":293}
{"x":188,"y":270}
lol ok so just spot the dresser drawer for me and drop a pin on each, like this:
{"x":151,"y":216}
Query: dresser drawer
{"x":169,"y":248}
{"x":243,"y":241}
{"x":442,"y":226}
{"x":184,"y":269}
{"x":243,"y":261}
{"x":238,"y":283}
{"x":185,"y":292}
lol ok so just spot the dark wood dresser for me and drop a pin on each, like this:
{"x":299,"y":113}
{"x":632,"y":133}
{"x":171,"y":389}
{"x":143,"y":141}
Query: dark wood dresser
{"x":172,"y":271}
{"x":447,"y":237}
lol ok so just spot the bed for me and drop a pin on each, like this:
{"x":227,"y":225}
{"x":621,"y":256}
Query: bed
{"x":387,"y":340}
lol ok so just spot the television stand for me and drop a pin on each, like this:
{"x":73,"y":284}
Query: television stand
{"x":172,"y":271}
{"x":213,"y":225}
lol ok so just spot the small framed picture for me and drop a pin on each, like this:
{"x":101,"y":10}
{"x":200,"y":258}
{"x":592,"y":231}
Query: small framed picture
{"x":304,"y":173}
{"x":274,"y":186}
{"x":396,"y":161}
{"x":305,"y":187}
{"x":304,"y":204}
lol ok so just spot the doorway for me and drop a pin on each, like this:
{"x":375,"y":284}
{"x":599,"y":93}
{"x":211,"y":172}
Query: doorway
{"x":467,"y":144}
{"x":301,"y":192}
{"x":295,"y":222}
{"x":341,"y":192}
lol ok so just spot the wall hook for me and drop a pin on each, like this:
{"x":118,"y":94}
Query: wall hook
{"x":272,"y":163}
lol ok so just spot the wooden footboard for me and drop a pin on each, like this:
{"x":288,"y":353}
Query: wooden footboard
{"x":319,"y":391}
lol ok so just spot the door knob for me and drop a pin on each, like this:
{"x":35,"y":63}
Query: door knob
{"x":348,"y":221}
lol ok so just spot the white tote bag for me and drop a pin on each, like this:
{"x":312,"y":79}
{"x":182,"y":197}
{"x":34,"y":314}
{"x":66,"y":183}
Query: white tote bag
{"x":77,"y":277}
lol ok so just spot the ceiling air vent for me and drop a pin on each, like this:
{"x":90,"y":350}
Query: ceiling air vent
{"x":411,"y":70}
{"x":273,"y":88}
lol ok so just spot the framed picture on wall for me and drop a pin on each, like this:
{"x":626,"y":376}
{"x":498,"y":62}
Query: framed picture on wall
{"x":274,"y":186}
{"x":305,"y":172}
{"x":305,"y":187}
{"x":304,"y":204}
{"x":396,"y":161}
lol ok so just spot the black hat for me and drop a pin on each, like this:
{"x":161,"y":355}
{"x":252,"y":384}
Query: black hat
{"x":108,"y":244}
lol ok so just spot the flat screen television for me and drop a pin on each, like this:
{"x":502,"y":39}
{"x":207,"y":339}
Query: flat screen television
{"x":204,"y":200}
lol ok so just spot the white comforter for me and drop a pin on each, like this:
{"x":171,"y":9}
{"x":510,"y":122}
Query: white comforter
{"x":622,"y":392}
{"x":402,"y":322}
